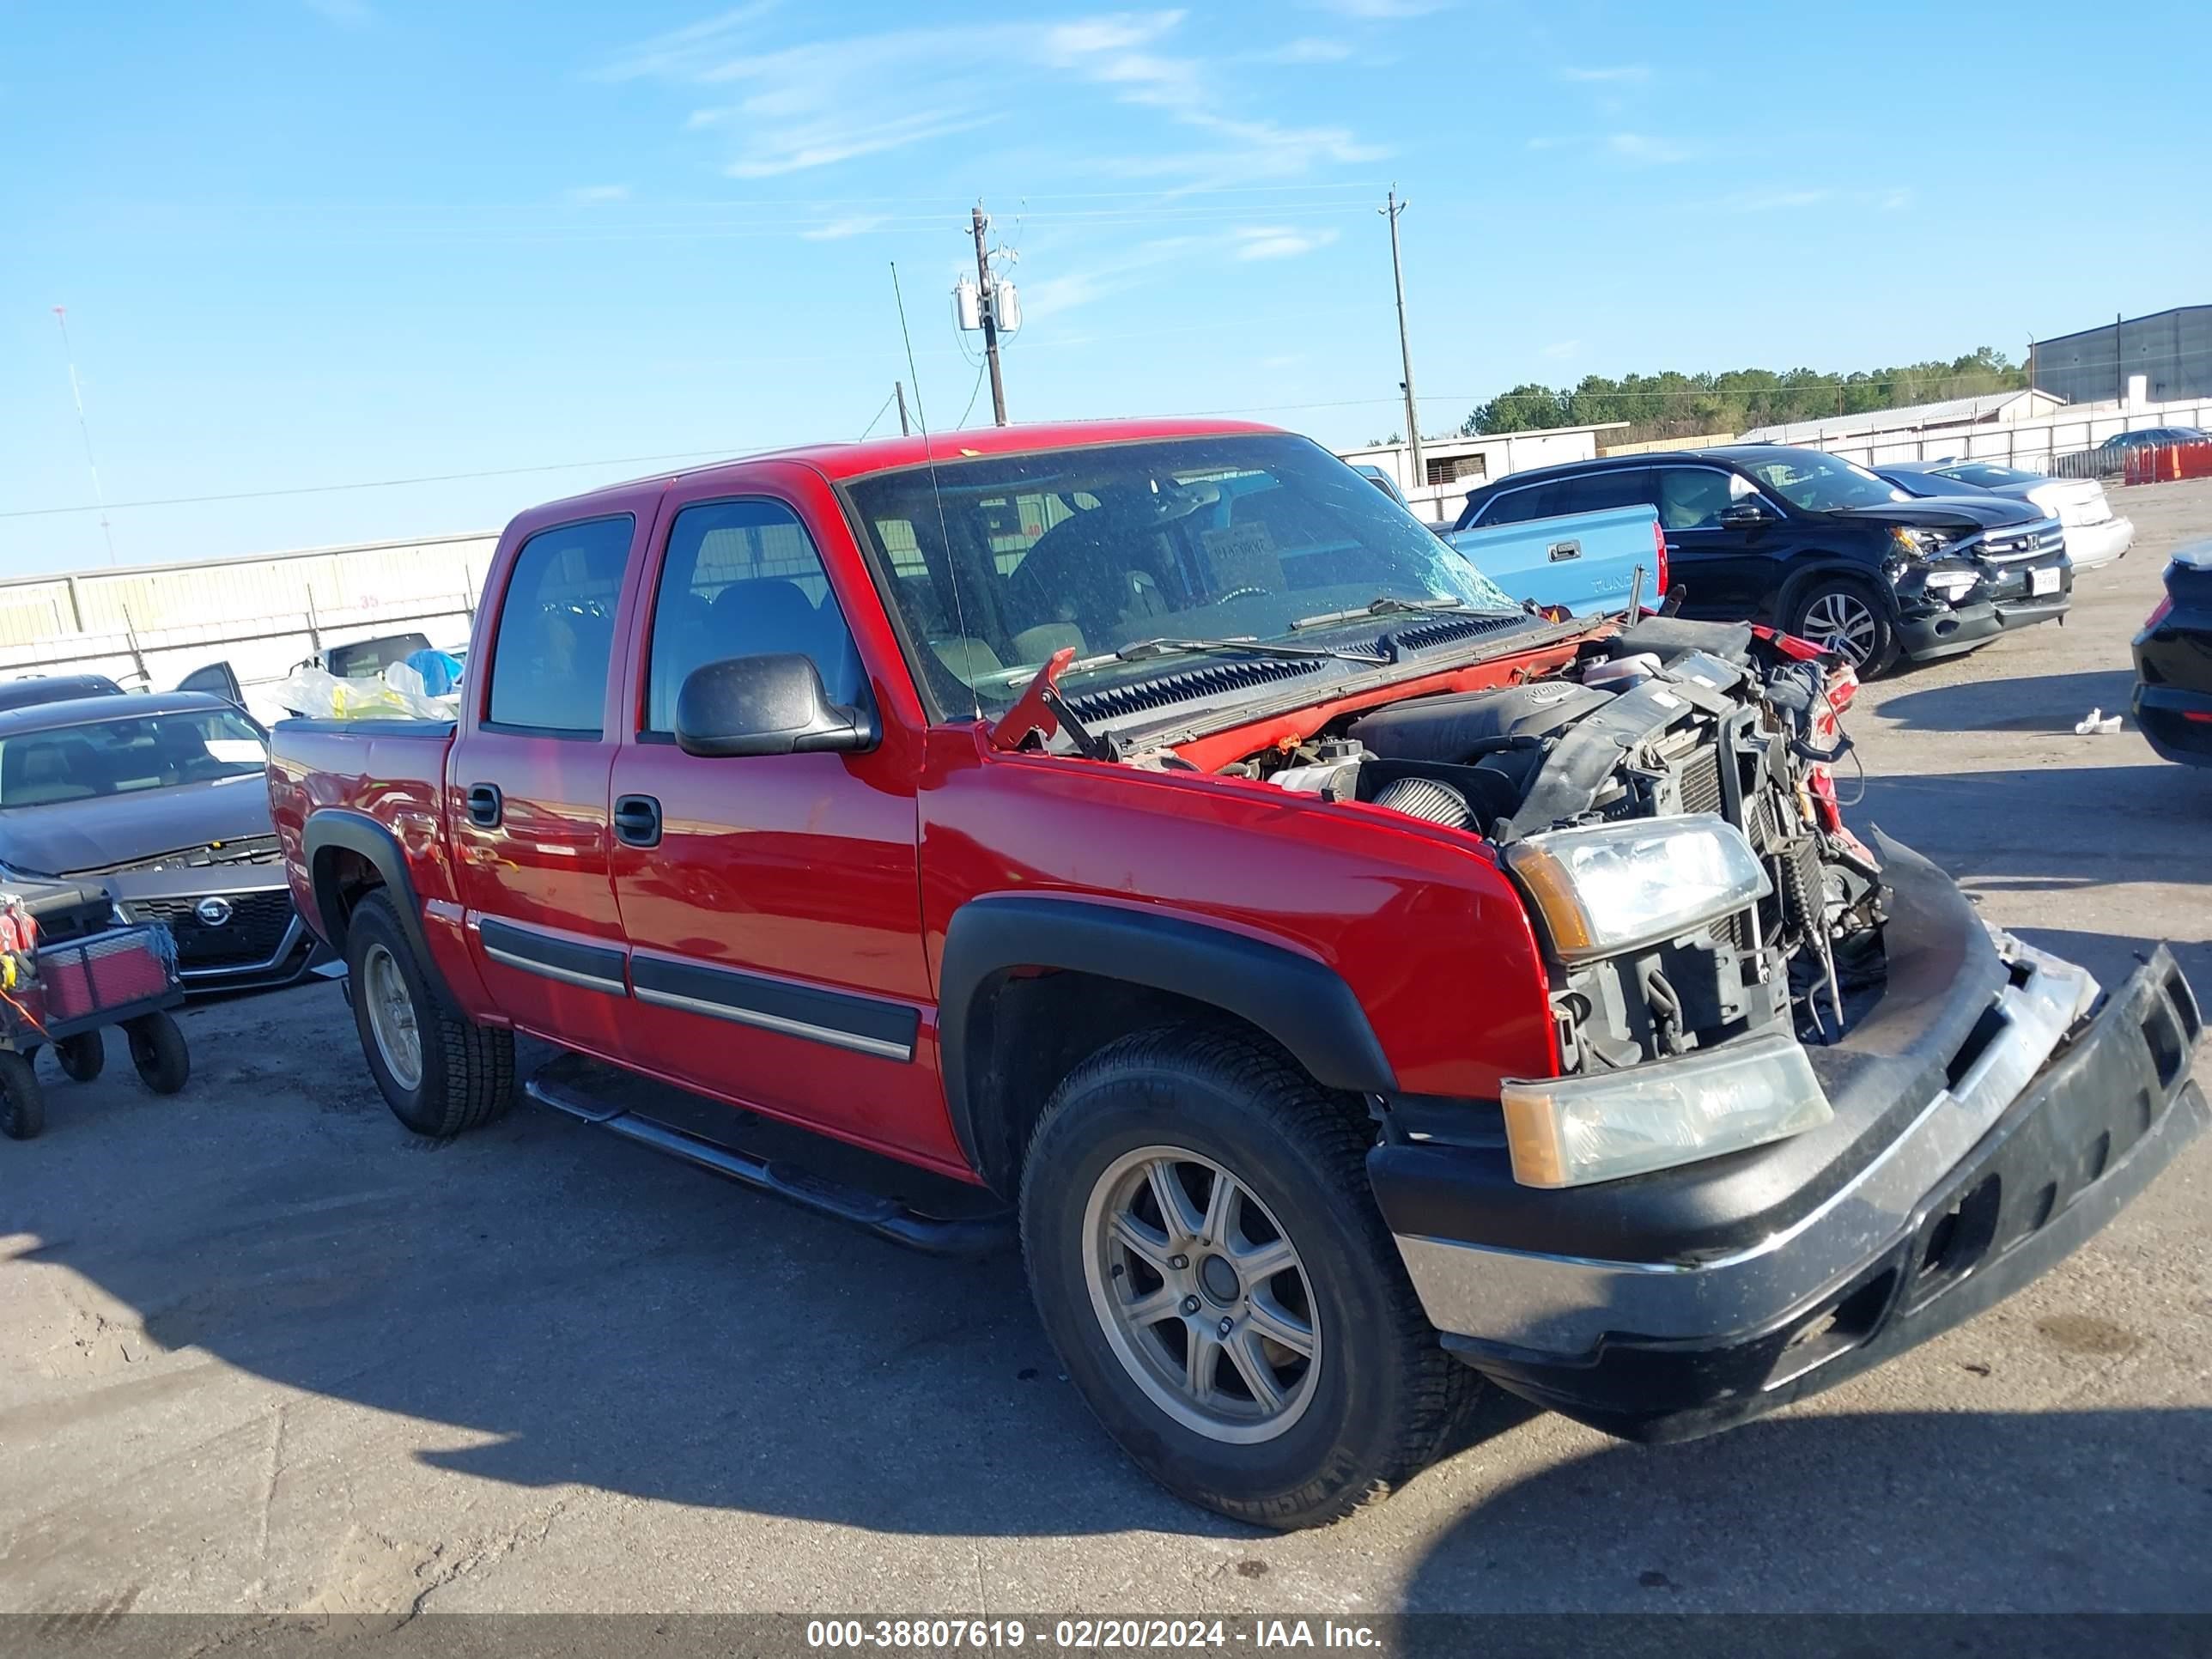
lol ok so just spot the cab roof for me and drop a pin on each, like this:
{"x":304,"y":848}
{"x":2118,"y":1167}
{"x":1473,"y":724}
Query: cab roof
{"x":840,"y":461}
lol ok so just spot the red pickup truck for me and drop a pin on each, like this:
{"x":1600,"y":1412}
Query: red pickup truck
{"x":1150,"y":838}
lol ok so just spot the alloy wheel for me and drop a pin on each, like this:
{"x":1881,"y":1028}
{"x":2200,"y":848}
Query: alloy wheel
{"x":1842,"y":622}
{"x":1201,"y":1294}
{"x":391,"y":1009}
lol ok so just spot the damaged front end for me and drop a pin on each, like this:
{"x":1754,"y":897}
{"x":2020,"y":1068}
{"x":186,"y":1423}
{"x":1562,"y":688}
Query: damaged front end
{"x":1809,"y":1109}
{"x":1667,"y":808}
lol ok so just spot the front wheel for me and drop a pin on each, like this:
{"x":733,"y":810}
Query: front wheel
{"x":1208,"y":1262}
{"x":158,"y":1050}
{"x":1845,"y":616}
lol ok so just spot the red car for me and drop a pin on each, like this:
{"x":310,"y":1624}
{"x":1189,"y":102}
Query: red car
{"x":1148,"y":837}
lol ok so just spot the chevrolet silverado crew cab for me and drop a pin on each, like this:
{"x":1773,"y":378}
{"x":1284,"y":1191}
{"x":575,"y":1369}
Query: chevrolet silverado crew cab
{"x":1151,"y":839}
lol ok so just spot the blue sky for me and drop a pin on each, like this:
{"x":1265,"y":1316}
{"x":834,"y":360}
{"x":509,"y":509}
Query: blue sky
{"x":313,"y":242}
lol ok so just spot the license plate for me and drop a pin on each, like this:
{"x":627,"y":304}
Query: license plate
{"x":2043,"y":581}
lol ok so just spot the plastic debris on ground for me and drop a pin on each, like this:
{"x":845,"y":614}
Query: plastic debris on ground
{"x":2099,"y":724}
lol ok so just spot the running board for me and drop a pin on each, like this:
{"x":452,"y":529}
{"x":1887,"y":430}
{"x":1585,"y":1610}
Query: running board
{"x":567,"y":1085}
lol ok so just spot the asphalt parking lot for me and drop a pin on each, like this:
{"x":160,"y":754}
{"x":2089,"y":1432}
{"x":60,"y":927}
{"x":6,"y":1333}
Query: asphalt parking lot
{"x":264,"y":1350}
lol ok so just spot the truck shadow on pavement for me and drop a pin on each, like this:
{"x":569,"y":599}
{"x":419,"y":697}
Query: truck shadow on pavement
{"x":2068,"y":1510}
{"x":2043,"y":702}
{"x":576,"y":1309}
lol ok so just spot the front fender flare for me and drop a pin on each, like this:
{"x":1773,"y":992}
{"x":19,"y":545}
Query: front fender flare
{"x":1297,"y":1000}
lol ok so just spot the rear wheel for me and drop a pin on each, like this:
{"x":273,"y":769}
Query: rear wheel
{"x":1207,"y":1260}
{"x":22,"y":1102}
{"x":158,"y":1050}
{"x":440,"y":1073}
{"x":1845,"y":616}
{"x":82,"y":1056}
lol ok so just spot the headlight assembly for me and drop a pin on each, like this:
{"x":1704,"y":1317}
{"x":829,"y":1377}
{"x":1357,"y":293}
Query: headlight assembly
{"x":1569,"y":1131}
{"x":1919,"y":543}
{"x":1610,"y":887}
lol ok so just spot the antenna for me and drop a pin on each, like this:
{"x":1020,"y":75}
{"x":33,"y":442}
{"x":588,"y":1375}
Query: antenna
{"x":943,"y":532}
{"x":61,"y":316}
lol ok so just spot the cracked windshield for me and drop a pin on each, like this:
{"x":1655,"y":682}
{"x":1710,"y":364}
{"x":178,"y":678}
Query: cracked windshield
{"x":997,"y":562}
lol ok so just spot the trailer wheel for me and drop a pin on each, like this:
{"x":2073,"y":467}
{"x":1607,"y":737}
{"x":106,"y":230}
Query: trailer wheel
{"x":82,"y":1056}
{"x":22,"y":1102}
{"x":157,"y":1049}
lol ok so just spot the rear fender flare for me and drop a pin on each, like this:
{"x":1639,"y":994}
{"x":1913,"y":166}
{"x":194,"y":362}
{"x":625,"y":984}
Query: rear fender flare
{"x":1298,"y":1001}
{"x":332,"y":830}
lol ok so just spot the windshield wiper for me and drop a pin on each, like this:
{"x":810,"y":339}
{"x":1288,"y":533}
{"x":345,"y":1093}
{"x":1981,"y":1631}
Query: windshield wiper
{"x":1139,"y":650}
{"x":1382,"y":606}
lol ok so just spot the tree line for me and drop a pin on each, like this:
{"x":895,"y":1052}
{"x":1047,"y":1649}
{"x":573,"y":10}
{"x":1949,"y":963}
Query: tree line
{"x":1673,"y":405}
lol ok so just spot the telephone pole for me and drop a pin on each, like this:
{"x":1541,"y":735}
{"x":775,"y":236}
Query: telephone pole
{"x":898,"y":390}
{"x":1405,"y":349}
{"x":978,"y":223}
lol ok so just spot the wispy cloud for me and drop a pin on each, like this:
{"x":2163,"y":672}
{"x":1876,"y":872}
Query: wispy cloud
{"x":1645,"y":150}
{"x":1068,"y":290}
{"x":346,"y":13}
{"x":836,"y":230}
{"x":1278,"y":241}
{"x":1562,"y":349}
{"x":1308,"y":49}
{"x":791,"y":107}
{"x":1378,"y":11}
{"x":1770,"y":200}
{"x":585,"y":195}
{"x":1783,"y":199}
{"x":1616,"y":72}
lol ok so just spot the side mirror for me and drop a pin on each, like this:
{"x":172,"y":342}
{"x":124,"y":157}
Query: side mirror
{"x":766,"y":705}
{"x":1745,"y":515}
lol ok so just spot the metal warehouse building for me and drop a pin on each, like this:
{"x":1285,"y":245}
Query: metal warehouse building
{"x":2169,"y":351}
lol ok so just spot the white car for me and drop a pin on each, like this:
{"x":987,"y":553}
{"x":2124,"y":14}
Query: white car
{"x":2096,"y":534}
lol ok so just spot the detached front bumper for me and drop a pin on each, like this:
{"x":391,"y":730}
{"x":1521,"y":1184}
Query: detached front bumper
{"x":1983,"y":1127}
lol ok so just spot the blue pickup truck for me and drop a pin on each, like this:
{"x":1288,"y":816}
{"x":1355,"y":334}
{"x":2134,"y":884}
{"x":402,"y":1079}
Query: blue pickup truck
{"x":1583,"y":562}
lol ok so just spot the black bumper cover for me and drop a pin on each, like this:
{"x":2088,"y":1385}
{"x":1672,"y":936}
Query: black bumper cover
{"x":2088,"y":1135}
{"x":2111,"y":1109}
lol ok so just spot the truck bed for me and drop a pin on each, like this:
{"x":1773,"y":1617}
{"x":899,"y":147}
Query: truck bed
{"x":1586,"y":561}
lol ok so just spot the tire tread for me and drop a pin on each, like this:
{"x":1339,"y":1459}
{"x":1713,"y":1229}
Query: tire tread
{"x":468,"y":1072}
{"x":1331,"y":1132}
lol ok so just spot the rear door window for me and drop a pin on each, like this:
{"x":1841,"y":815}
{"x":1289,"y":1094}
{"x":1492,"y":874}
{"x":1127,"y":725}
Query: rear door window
{"x":557,"y":629}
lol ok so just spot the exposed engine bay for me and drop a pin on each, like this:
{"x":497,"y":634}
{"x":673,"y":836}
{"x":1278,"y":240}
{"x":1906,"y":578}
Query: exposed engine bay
{"x":1666,"y":718}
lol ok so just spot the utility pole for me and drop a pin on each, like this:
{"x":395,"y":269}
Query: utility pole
{"x":978,"y":223}
{"x":61,"y":316}
{"x":898,"y":389}
{"x":1405,"y":349}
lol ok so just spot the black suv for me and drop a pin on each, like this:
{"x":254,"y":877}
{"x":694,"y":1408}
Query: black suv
{"x":1818,"y":546}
